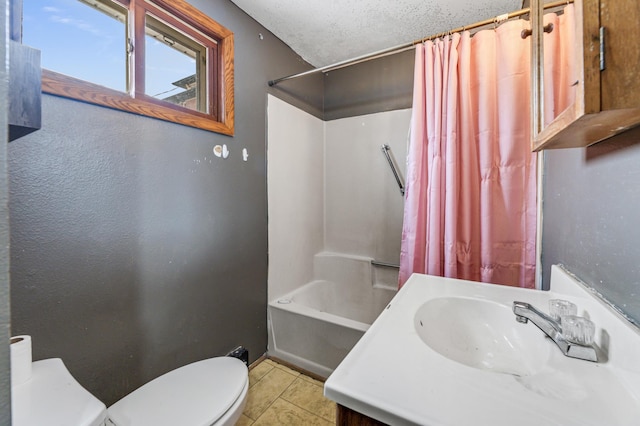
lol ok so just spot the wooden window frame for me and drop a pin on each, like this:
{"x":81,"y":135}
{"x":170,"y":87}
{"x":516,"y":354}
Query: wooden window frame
{"x":220,"y":72}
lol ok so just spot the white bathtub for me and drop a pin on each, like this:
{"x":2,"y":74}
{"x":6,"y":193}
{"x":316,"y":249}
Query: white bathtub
{"x":316,"y":325}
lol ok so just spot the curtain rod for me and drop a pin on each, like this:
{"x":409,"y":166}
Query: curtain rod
{"x":407,"y":46}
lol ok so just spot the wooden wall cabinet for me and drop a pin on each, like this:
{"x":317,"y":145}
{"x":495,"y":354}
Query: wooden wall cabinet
{"x":608,"y":100}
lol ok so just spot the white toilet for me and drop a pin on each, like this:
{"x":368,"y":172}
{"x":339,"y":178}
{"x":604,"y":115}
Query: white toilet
{"x":208,"y":392}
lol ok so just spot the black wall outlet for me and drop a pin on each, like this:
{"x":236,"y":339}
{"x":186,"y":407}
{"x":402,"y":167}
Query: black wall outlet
{"x":241,"y":353}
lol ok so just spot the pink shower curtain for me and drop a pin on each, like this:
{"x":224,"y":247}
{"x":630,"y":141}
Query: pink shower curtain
{"x":470,"y":201}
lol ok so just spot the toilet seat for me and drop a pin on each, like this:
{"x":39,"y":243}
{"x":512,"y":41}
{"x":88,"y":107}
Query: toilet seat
{"x":195,"y":394}
{"x":212,"y":391}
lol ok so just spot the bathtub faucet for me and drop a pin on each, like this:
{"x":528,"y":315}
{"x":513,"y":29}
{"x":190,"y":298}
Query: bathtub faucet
{"x":525,"y":312}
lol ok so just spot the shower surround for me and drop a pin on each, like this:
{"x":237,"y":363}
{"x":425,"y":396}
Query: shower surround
{"x":333,"y":201}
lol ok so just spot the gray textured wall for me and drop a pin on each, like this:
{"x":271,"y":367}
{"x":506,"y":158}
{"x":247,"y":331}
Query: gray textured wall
{"x":134,"y":249}
{"x":592,"y":217}
{"x":5,"y":376}
{"x":383,"y":84}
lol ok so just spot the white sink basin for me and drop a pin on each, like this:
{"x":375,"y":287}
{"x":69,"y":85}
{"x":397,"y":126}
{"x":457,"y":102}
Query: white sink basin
{"x":481,"y":334}
{"x":450,"y":352}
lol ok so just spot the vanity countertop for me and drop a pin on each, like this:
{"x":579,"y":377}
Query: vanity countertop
{"x":393,"y":376}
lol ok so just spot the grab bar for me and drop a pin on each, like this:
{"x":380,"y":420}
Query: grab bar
{"x":384,"y":264}
{"x":385,"y":150}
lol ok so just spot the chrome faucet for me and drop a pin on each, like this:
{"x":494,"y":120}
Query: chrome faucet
{"x":525,"y":312}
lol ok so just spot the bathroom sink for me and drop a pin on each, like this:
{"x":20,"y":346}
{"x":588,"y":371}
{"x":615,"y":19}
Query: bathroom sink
{"x":482,"y":334}
{"x":451,"y":352}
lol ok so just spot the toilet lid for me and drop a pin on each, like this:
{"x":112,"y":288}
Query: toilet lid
{"x":196,"y":394}
{"x":53,"y":397}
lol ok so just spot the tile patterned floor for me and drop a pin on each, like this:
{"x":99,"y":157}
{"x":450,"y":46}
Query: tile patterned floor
{"x":281,"y":396}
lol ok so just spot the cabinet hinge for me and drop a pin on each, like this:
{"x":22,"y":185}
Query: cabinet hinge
{"x":602,"y":59}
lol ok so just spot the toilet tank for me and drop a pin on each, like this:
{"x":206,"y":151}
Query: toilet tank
{"x":53,"y":397}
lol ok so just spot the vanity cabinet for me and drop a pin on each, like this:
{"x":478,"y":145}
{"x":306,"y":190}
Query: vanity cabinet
{"x":607,"y":58}
{"x":347,"y":417}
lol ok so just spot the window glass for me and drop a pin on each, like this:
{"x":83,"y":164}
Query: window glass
{"x":158,"y":58}
{"x":175,"y":66}
{"x":83,"y":39}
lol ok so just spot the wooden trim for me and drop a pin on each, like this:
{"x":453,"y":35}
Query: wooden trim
{"x":215,"y":85}
{"x":619,"y":84}
{"x":194,"y":17}
{"x":138,"y":54}
{"x":226,"y":78}
{"x":537,"y":68}
{"x":589,"y":129}
{"x":573,"y":112}
{"x":69,"y":87}
{"x":588,"y":43}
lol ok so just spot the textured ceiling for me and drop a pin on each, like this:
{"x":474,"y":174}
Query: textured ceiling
{"x":324,"y":32}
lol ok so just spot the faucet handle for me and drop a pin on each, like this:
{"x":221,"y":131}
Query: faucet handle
{"x":579,"y":330}
{"x":559,"y":308}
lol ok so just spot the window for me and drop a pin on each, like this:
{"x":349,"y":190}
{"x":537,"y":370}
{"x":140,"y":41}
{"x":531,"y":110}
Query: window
{"x":159,"y":58}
